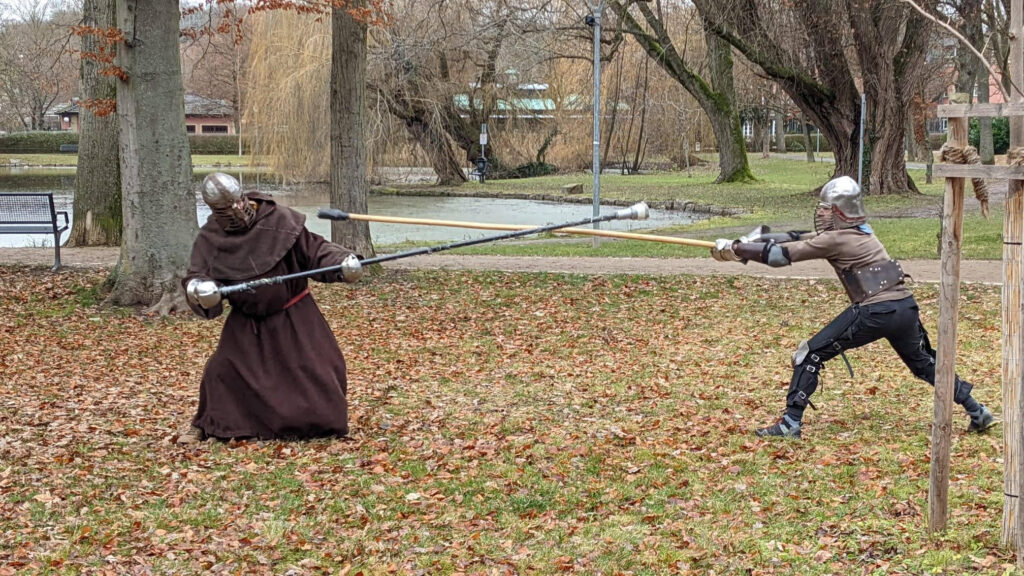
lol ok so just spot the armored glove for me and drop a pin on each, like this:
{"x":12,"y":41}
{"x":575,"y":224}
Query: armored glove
{"x":203,"y":292}
{"x":351,"y":269}
{"x":723,"y":251}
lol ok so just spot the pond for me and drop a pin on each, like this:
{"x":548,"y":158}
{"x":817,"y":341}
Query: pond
{"x":309,"y":198}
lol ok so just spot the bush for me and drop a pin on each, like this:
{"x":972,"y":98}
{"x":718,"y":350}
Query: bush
{"x":1000,"y":134}
{"x":528,"y":170}
{"x":43,"y":142}
{"x":935,"y":141}
{"x":795,"y":143}
{"x":216,"y":144}
{"x":50,"y":142}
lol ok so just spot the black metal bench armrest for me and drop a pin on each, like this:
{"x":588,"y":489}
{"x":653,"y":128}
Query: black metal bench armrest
{"x":67,"y":221}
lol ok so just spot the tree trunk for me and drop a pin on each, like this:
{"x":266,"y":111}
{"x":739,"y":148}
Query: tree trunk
{"x":725,"y":119}
{"x":613,"y":111}
{"x":349,"y":181}
{"x":438,"y":148}
{"x":780,"y":132}
{"x":986,"y":148}
{"x":158,"y":202}
{"x":97,"y":204}
{"x":641,"y":143}
{"x":766,"y":136}
{"x":807,"y":138}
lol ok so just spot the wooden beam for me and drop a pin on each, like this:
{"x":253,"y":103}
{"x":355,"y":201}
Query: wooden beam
{"x":978,"y":171}
{"x":979,"y":110}
{"x":945,"y":364}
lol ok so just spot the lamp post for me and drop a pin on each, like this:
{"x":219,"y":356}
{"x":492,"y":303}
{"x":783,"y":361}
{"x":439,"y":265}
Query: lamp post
{"x":594,"y":20}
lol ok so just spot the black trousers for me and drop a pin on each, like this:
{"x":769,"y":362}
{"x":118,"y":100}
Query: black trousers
{"x":898,"y":321}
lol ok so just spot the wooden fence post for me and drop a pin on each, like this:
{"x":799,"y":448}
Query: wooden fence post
{"x":945,"y":368}
{"x":1013,"y":233}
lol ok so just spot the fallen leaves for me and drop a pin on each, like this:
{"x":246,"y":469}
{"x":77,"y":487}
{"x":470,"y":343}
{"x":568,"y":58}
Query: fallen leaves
{"x":501,"y":424}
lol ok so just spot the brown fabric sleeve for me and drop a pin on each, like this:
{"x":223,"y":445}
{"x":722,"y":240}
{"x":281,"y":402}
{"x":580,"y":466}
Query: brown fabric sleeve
{"x":316,"y":252}
{"x":821,"y":246}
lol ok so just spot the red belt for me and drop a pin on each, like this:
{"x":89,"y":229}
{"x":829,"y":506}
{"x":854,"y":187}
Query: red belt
{"x":295,"y":300}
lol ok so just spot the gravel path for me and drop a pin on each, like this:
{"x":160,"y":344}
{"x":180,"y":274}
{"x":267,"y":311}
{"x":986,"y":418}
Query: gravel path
{"x":975,"y":271}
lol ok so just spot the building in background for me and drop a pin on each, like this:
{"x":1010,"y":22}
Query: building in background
{"x":203,"y":116}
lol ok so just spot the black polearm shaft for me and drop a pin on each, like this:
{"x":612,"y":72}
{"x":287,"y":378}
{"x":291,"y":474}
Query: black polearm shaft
{"x":635,"y":212}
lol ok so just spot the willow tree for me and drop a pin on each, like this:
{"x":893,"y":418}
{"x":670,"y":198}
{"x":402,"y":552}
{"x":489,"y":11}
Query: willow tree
{"x":288,"y":105}
{"x":821,"y":52}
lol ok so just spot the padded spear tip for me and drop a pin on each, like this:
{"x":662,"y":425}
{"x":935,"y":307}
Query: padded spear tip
{"x":332,"y":214}
{"x":638,"y":211}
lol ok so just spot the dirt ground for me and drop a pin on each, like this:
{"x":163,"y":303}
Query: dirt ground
{"x":974,"y":271}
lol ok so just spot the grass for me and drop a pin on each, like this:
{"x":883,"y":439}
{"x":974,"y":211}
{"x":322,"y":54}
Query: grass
{"x":781,"y":198}
{"x":67,"y":160}
{"x":502,"y":423}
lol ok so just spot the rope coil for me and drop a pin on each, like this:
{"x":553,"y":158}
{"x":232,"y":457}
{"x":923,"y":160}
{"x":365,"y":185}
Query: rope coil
{"x":969,"y":155}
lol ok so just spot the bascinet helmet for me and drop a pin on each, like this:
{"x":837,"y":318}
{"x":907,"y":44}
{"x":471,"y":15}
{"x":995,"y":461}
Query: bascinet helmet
{"x":223,"y":194}
{"x":841,"y":206}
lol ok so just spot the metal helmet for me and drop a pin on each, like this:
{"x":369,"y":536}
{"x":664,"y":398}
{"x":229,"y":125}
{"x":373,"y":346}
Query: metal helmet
{"x":841,"y":206}
{"x":223,"y":194}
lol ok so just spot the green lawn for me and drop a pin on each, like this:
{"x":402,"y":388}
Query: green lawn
{"x":501,"y":424}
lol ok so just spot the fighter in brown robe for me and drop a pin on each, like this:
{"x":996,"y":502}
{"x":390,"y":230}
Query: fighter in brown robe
{"x":881,"y":305}
{"x":277,"y":371}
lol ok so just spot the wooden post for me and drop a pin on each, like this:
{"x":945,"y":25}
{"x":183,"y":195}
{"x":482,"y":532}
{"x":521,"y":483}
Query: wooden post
{"x":945,"y":369}
{"x":1013,"y":233}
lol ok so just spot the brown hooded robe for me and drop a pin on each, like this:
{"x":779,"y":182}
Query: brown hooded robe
{"x":277,"y":371}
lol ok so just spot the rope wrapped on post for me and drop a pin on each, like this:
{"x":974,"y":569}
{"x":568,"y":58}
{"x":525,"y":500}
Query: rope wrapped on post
{"x":968,"y":155}
{"x":1015,"y":157}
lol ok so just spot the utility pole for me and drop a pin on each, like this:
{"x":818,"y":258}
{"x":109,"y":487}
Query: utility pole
{"x":594,"y":20}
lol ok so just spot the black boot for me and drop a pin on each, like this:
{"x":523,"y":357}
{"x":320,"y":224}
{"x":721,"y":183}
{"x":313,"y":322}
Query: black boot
{"x":981,"y":419}
{"x":785,"y":427}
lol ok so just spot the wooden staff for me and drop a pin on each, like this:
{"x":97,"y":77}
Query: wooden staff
{"x":332,"y":214}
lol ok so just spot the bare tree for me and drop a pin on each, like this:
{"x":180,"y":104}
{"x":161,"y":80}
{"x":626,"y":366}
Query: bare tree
{"x":715,"y":95}
{"x":832,"y":50}
{"x":37,"y":69}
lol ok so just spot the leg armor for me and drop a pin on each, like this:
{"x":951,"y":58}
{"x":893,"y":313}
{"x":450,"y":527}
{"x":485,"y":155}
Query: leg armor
{"x":812,"y":354}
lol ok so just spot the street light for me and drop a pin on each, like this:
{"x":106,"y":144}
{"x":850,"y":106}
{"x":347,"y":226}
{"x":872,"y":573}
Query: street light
{"x":594,"y":20}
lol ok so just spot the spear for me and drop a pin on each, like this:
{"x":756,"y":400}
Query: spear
{"x":638,"y":211}
{"x":332,"y":214}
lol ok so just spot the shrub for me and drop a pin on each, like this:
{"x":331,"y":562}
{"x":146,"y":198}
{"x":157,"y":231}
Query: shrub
{"x":935,"y":141}
{"x":528,"y":170}
{"x":795,"y":143}
{"x":49,"y":142}
{"x":1000,"y":134}
{"x":42,"y":142}
{"x":216,"y":144}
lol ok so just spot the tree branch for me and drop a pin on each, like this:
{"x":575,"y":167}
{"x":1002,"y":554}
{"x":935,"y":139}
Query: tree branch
{"x":985,"y":62}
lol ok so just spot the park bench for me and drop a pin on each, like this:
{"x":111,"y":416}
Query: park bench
{"x":32,"y":213}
